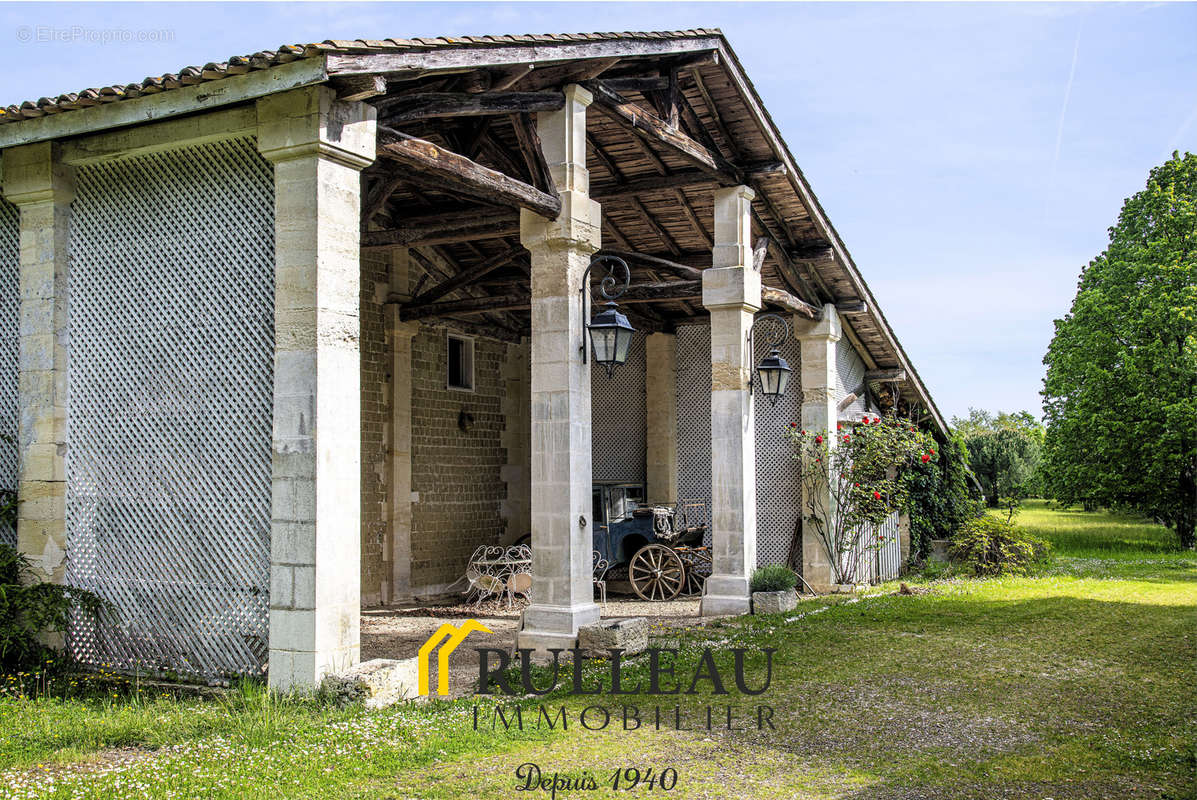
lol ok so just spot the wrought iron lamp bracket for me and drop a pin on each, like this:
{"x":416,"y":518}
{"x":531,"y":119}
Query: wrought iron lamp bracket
{"x":609,"y":288}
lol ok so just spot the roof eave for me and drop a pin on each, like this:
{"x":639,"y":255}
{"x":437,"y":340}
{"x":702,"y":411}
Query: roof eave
{"x":164,"y":105}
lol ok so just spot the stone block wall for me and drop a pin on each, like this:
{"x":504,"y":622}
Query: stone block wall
{"x":457,"y":460}
{"x":376,"y":415}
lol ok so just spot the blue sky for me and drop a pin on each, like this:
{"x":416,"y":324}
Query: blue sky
{"x":972,"y":156}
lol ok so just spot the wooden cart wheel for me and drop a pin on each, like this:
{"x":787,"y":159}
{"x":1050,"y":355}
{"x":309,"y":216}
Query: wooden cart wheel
{"x":656,"y":572}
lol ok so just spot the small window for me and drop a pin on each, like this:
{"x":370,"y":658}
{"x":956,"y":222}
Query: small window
{"x":461,"y":363}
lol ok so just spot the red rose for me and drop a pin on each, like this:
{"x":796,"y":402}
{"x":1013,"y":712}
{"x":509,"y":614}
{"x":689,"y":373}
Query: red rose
{"x":926,"y":458}
{"x":932,"y":451}
{"x":818,"y":440}
{"x":804,"y":433}
{"x":876,"y":420}
{"x":839,"y":427}
{"x":876,"y":495}
{"x":857,"y":485}
{"x":847,"y":437}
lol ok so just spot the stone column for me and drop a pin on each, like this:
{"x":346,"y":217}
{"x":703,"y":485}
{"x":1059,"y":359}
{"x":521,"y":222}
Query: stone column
{"x":318,"y":146}
{"x":399,"y":335}
{"x":731,"y":292}
{"x":819,"y":414}
{"x":562,"y":589}
{"x":661,"y":425}
{"x":42,"y":189}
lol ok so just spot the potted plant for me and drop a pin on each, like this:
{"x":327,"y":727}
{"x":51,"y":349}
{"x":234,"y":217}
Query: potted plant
{"x":773,"y":590}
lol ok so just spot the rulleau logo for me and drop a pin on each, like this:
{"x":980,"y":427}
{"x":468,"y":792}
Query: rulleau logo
{"x":452,"y":636}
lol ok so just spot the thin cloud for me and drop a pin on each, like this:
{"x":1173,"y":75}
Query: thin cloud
{"x":1076,"y":49}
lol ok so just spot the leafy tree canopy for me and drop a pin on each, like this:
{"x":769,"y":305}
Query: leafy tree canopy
{"x":1004,"y":451}
{"x":1120,"y":395}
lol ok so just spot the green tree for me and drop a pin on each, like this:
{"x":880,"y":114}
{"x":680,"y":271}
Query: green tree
{"x":1120,"y":395}
{"x":1004,"y":452}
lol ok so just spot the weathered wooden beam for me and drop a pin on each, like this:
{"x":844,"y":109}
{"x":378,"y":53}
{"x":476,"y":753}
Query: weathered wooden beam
{"x":663,"y":290}
{"x":657,"y":183}
{"x":466,"y":276}
{"x":407,"y":108}
{"x":852,"y":307}
{"x":532,"y":151}
{"x":783,"y":299}
{"x":760,"y":249}
{"x":885,"y":375}
{"x":378,"y":196}
{"x":655,"y":130}
{"x":672,"y":267}
{"x":359,"y":87}
{"x":663,"y":183}
{"x":789,"y":272}
{"x":634,"y":84}
{"x":471,"y":305}
{"x":460,"y":173}
{"x":816,"y":254}
{"x":484,"y":228}
{"x":663,"y":235}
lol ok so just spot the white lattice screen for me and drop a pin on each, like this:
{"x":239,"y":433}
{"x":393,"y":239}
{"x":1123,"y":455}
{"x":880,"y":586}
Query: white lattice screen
{"x":851,"y":371}
{"x":618,"y":418}
{"x":778,"y":486}
{"x":778,"y":490}
{"x":170,"y":375}
{"x":10,"y":311}
{"x":694,"y":414}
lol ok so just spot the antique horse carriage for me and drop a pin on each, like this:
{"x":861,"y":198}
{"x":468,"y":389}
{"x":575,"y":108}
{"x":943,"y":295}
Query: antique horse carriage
{"x":658,"y":549}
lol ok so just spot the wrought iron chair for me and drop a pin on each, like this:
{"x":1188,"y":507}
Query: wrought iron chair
{"x":600,"y":574}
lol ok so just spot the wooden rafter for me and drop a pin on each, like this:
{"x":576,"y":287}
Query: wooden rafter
{"x":655,"y":130}
{"x":466,"y":276}
{"x":783,"y":299}
{"x":407,"y":108}
{"x":462,"y":174}
{"x":532,"y":151}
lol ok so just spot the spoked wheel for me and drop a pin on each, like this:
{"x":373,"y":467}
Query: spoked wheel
{"x":698,"y":568}
{"x":656,"y":573}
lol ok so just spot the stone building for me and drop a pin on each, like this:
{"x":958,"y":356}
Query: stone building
{"x":293,"y":333}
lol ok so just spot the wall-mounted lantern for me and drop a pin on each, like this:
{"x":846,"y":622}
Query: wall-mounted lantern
{"x":610,"y":332}
{"x":773,"y":372}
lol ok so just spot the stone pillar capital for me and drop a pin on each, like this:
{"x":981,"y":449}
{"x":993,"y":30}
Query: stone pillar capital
{"x":827,"y":327}
{"x":579,"y":227}
{"x":578,"y":94}
{"x":736,"y":288}
{"x":33,"y":174}
{"x":312,"y":122}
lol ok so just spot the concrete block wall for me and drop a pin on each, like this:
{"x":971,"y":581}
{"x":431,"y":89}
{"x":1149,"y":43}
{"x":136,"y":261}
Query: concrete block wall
{"x":457,"y":475}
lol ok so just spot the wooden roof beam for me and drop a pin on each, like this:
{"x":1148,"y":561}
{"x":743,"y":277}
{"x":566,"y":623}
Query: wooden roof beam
{"x":654,"y":130}
{"x":435,"y":163}
{"x":784,"y":300}
{"x":885,"y":375}
{"x":437,"y":105}
{"x":466,"y":276}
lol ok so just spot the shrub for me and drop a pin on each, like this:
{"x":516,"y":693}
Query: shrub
{"x":941,"y":496}
{"x":989,"y":546}
{"x":774,"y":578}
{"x":29,"y":608}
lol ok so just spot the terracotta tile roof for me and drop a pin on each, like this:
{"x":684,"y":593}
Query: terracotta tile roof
{"x":237,"y":65}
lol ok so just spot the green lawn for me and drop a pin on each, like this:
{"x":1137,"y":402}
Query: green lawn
{"x":1077,"y":682}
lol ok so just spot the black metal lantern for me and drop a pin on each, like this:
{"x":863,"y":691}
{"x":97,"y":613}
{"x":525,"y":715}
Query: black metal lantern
{"x":610,"y":332}
{"x":773,"y":372}
{"x":610,"y":336}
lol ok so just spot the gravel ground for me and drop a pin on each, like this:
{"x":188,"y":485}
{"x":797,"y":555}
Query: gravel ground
{"x":399,"y":632}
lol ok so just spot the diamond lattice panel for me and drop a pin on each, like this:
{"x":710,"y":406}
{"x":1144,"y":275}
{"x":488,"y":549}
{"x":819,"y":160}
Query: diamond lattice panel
{"x":170,"y":375}
{"x":694,"y":413}
{"x":778,"y":487}
{"x":618,"y":418}
{"x":850,"y":374}
{"x":10,"y":309}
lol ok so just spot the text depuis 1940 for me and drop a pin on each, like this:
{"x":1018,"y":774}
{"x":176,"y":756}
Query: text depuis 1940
{"x":531,"y":778}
